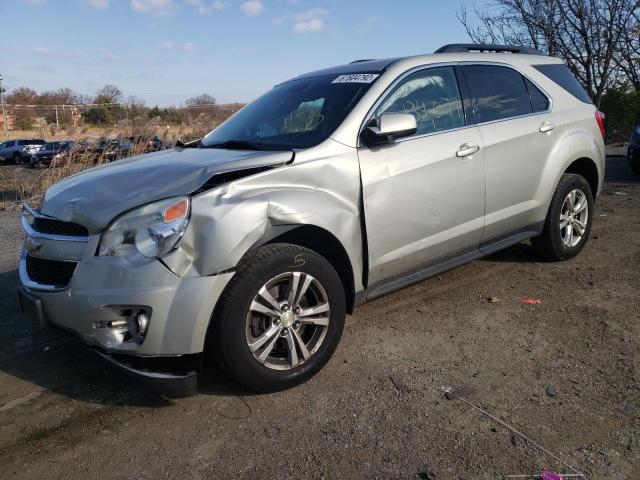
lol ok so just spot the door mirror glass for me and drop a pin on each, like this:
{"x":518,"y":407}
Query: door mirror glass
{"x":390,"y":126}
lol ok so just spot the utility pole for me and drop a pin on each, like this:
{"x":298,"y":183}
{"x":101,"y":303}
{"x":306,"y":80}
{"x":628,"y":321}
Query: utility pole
{"x":4,"y":114}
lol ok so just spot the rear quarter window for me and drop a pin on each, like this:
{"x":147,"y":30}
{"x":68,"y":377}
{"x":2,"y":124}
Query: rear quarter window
{"x":561,"y":75}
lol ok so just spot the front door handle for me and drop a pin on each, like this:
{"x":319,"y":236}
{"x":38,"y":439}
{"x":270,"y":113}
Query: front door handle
{"x":547,"y":127}
{"x":465,"y":150}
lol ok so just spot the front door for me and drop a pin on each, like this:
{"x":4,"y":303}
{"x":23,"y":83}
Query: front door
{"x":424,"y":195}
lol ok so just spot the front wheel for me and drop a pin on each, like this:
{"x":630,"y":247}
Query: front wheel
{"x":280,"y":318}
{"x":568,"y":223}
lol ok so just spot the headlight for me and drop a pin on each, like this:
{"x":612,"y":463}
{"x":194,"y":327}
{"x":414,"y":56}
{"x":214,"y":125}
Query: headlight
{"x":147,"y":232}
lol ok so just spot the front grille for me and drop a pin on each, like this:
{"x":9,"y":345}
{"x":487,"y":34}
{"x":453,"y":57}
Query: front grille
{"x":58,"y":227}
{"x":50,"y":272}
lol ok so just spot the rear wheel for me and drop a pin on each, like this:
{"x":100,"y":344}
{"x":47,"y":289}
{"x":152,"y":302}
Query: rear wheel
{"x":279,"y":319}
{"x":568,"y":222}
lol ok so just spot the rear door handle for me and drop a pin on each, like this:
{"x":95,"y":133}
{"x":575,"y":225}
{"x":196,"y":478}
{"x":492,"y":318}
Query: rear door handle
{"x":465,"y":150}
{"x":547,"y":127}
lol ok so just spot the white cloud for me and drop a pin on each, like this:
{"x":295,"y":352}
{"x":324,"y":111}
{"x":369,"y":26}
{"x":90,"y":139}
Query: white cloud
{"x":309,"y":20}
{"x":252,"y":7}
{"x":166,"y":45}
{"x":312,"y":14}
{"x":156,"y":8}
{"x":314,"y":25}
{"x":41,"y":50}
{"x":204,"y":7}
{"x":111,"y":57}
{"x":219,"y":4}
{"x":34,"y":2}
{"x":100,"y":4}
{"x":188,"y":47}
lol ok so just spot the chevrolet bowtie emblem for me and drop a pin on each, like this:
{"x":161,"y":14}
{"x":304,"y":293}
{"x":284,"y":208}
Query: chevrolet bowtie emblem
{"x":32,"y":245}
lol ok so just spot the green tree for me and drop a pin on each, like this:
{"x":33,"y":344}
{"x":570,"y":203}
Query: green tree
{"x":621,"y":106}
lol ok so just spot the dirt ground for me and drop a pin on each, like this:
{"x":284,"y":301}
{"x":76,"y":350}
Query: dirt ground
{"x":564,"y":372}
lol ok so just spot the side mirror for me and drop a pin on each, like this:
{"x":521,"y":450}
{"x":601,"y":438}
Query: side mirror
{"x":391,"y":126}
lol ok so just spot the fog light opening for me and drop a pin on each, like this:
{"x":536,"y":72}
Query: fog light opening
{"x":138,"y":323}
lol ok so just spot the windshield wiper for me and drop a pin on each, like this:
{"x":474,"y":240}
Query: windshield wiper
{"x":241,"y":145}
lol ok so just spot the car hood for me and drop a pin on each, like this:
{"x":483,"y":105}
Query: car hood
{"x":94,"y":197}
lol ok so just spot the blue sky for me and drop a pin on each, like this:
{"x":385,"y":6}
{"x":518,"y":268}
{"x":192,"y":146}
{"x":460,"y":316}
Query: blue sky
{"x":165,"y":51}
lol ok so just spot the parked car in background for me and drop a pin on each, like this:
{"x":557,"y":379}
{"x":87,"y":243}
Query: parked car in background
{"x":145,"y":144}
{"x":633,"y":153}
{"x":50,"y":150}
{"x":20,"y":151}
{"x":111,"y":149}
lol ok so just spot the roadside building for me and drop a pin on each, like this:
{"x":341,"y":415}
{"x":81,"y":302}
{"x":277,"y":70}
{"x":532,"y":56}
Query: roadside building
{"x":10,"y":120}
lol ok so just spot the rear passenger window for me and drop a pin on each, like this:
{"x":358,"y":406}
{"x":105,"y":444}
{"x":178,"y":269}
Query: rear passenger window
{"x":539,"y":101}
{"x":432,"y":96}
{"x":497,"y":92}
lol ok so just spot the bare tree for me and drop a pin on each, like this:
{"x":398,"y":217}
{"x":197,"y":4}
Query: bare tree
{"x":108,"y":94}
{"x":200,"y":100}
{"x":587,"y":34}
{"x":628,"y":55}
{"x":201,"y":109}
{"x":21,"y":99}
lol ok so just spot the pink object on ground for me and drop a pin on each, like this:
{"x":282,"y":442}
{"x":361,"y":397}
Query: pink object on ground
{"x":531,"y":301}
{"x":551,"y":476}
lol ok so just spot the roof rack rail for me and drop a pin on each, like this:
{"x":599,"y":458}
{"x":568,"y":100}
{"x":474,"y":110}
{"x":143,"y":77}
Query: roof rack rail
{"x":484,"y":47}
{"x":362,"y":60}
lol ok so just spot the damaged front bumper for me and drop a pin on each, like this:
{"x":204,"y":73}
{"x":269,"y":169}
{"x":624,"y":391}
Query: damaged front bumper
{"x":97,"y":299}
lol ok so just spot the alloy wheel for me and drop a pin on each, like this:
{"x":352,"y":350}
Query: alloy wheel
{"x":574,"y":217}
{"x":287,"y":320}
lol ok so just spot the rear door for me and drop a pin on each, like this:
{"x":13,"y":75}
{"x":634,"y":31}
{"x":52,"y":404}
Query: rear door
{"x":518,"y":131}
{"x":424,"y":194}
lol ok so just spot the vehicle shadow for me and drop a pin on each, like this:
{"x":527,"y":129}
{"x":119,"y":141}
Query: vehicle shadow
{"x":520,"y":253}
{"x":55,"y":361}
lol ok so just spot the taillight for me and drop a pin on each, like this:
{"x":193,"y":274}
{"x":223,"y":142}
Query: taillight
{"x":600,"y":120}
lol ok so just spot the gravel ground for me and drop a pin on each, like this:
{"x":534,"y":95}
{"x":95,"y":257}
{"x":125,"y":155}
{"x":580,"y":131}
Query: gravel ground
{"x":564,"y":372}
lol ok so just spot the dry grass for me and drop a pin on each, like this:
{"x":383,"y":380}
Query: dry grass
{"x":18,"y":185}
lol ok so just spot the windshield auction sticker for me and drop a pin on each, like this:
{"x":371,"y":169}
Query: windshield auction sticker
{"x":357,"y":78}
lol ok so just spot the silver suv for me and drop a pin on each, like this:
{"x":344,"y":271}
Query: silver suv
{"x":20,"y":151}
{"x":251,"y":245}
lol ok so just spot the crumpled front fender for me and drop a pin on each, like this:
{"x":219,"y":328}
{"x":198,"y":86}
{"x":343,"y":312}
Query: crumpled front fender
{"x":321,"y":188}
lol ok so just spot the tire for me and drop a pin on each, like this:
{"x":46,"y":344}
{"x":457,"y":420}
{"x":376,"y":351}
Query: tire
{"x":557,"y":244}
{"x":236,"y":322}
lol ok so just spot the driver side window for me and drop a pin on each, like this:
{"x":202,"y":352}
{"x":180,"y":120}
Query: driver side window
{"x":432,"y":96}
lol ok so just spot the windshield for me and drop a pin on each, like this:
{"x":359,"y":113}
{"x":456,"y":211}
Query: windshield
{"x":296,"y":114}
